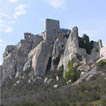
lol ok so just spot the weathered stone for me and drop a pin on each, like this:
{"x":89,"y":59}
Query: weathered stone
{"x":55,"y":86}
{"x":43,"y":34}
{"x":49,"y":50}
{"x":100,"y":44}
{"x":9,"y":67}
{"x":103,"y":52}
{"x":71,"y":48}
{"x":84,"y":68}
{"x":27,"y":65}
{"x":0,"y":75}
{"x":49,"y":81}
{"x":51,"y":27}
{"x":41,"y":58}
{"x":15,"y":57}
{"x":88,"y":76}
{"x":68,"y":82}
{"x":8,"y":50}
{"x":21,"y":56}
{"x":33,"y":39}
{"x":78,"y":53}
{"x":38,"y":77}
{"x":58,"y":50}
{"x":95,"y":53}
{"x":45,"y":80}
{"x":57,"y":78}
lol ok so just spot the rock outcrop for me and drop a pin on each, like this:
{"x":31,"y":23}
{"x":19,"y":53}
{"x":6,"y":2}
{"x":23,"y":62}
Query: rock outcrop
{"x":16,"y":56}
{"x":47,"y":51}
{"x":41,"y":58}
{"x":80,"y":50}
{"x":103,"y":52}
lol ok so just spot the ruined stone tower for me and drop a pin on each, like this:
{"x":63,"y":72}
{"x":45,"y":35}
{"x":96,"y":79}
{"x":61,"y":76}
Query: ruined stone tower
{"x":51,"y":27}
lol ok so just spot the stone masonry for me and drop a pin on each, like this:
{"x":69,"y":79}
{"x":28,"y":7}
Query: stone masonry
{"x":51,"y":27}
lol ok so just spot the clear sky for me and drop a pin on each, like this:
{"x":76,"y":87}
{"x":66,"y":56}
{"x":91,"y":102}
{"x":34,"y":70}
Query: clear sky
{"x":20,"y":16}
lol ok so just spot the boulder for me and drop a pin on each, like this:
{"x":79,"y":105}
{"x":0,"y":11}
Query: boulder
{"x":45,"y":80}
{"x":89,"y":75}
{"x":55,"y":86}
{"x":49,"y":81}
{"x":84,"y":68}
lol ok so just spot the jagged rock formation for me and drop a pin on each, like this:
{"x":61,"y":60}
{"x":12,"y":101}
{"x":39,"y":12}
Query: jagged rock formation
{"x":80,"y":50}
{"x":16,"y":56}
{"x":103,"y":52}
{"x":48,"y":51}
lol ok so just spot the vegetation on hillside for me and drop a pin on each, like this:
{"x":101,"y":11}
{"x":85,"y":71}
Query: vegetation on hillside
{"x":72,"y":73}
{"x":87,"y":93}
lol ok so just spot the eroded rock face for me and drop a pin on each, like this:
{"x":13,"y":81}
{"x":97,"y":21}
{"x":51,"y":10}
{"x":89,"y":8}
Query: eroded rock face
{"x":0,"y":74}
{"x":80,"y":50}
{"x":58,"y":50}
{"x":88,"y":76}
{"x":71,"y":48}
{"x":9,"y":62}
{"x":33,"y":39}
{"x":103,"y":52}
{"x":95,"y":53}
{"x":16,"y":56}
{"x":49,"y":50}
{"x":41,"y":58}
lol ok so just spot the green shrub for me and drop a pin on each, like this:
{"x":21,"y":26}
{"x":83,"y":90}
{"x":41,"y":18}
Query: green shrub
{"x":104,"y":103}
{"x":31,"y":103}
{"x":72,"y":72}
{"x":61,"y":68}
{"x":101,"y":63}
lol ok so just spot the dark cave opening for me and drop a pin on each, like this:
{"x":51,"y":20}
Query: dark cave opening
{"x":85,"y":43}
{"x":48,"y":65}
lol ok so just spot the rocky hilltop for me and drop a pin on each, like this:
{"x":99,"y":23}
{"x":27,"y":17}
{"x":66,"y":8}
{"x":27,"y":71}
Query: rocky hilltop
{"x":45,"y":53}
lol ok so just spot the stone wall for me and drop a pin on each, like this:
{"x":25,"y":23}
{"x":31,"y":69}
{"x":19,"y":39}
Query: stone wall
{"x":51,"y":27}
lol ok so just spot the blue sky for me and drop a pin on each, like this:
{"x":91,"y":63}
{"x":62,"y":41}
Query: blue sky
{"x":20,"y":16}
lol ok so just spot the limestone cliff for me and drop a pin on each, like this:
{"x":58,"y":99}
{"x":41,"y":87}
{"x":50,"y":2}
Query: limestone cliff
{"x":47,"y":51}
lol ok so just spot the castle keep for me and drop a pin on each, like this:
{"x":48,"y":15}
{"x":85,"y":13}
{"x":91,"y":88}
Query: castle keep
{"x":51,"y":27}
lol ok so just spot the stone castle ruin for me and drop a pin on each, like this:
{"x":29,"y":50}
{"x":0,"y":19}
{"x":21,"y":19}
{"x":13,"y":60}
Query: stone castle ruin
{"x":47,"y":51}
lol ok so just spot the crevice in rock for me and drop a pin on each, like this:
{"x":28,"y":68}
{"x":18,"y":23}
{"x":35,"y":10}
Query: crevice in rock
{"x":48,"y":65}
{"x":56,"y":62}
